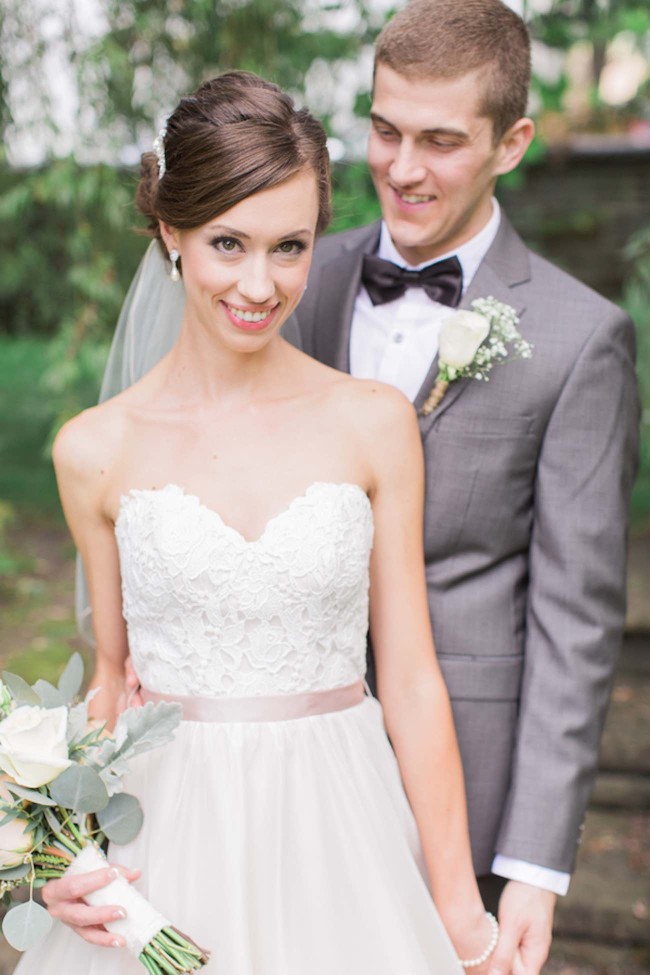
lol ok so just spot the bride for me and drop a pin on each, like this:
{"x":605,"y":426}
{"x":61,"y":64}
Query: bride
{"x":241,"y":512}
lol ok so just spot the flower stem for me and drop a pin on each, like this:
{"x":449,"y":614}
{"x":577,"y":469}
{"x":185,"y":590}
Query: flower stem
{"x":172,"y":953}
{"x":75,"y":832}
{"x":151,"y":967}
{"x":159,"y":960}
{"x":62,"y":838}
{"x":435,"y":397}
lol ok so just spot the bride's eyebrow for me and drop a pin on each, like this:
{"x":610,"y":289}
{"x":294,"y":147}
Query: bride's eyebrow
{"x":233,"y":232}
{"x":296,"y":233}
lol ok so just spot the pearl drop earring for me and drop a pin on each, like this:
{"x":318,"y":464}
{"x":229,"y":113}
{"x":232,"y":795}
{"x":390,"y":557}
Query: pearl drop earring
{"x":173,"y":257}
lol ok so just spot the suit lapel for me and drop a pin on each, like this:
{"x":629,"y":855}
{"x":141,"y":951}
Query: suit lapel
{"x":338,"y":288}
{"x":505,"y":265}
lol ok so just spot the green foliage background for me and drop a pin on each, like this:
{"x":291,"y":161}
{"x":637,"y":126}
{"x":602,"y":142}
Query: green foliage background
{"x":67,"y":226}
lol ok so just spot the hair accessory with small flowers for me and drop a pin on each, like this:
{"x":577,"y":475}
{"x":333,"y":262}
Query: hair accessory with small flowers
{"x":159,"y":149}
{"x":472,"y":342}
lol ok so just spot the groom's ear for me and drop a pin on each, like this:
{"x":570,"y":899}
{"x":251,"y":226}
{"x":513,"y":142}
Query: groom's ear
{"x":513,"y":145}
{"x":169,"y":236}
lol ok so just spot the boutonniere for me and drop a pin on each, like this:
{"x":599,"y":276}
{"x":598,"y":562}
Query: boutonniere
{"x":473,"y":342}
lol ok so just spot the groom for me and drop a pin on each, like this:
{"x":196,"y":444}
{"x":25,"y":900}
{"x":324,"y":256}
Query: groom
{"x":528,"y":475}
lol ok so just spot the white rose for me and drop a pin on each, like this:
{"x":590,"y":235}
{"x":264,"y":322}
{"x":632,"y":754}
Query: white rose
{"x":14,"y":841}
{"x":33,"y":745}
{"x":460,"y":337}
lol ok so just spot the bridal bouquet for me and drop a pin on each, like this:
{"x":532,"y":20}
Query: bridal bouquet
{"x":61,"y":798}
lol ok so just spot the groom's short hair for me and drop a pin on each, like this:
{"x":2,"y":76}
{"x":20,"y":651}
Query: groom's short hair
{"x":450,"y":38}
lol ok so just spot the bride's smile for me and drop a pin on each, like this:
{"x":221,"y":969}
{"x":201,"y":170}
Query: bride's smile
{"x":245,"y":271}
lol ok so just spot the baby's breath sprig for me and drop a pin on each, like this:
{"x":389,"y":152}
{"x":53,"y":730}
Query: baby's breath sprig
{"x":476,"y":351}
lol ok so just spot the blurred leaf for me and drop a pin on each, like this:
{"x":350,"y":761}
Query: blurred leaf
{"x":140,"y":729}
{"x":77,"y":722}
{"x":52,"y":821}
{"x":15,"y":873}
{"x":49,"y":695}
{"x":122,"y":819}
{"x":26,"y":926}
{"x":20,"y":689}
{"x":79,"y":788}
{"x":636,"y":299}
{"x":137,"y":730}
{"x":71,"y":679}
{"x":32,"y":795}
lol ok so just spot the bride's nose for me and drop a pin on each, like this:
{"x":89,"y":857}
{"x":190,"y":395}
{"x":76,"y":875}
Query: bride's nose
{"x":256,"y":283}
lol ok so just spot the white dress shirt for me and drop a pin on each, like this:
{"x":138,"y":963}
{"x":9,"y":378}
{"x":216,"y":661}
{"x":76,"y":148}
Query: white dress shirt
{"x":396,"y":343}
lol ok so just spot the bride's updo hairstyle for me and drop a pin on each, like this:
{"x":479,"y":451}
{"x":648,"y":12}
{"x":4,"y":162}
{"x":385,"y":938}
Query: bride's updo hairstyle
{"x":235,"y":136}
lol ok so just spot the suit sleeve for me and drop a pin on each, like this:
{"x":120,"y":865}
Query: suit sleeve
{"x":576,"y":597}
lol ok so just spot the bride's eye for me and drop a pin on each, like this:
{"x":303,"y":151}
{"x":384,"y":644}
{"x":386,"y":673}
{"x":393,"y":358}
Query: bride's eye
{"x":291,"y":247}
{"x":226,"y":245}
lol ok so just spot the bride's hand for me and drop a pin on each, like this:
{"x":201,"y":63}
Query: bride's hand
{"x":470,"y":939}
{"x":64,"y":900}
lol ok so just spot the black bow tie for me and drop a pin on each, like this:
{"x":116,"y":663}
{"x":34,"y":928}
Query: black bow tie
{"x":385,"y":281}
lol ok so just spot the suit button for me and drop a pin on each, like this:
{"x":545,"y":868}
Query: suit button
{"x":398,"y":337}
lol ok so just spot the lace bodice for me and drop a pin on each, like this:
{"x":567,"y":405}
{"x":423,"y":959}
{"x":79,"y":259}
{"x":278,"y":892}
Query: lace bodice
{"x":211,"y":613}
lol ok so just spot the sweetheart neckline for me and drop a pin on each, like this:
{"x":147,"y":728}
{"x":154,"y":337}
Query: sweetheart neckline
{"x":134,"y":492}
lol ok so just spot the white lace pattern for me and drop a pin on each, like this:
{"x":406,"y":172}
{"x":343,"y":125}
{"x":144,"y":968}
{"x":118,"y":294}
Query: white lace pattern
{"x":213,"y":614}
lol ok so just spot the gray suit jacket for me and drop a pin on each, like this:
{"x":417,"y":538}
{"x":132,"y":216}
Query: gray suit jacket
{"x":528,"y":484}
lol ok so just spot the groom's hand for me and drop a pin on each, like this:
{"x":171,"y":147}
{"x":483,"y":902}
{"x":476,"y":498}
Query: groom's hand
{"x":526,"y":929}
{"x":131,"y":696}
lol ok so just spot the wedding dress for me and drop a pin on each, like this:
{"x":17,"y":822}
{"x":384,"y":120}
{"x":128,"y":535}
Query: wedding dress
{"x":283,"y":844}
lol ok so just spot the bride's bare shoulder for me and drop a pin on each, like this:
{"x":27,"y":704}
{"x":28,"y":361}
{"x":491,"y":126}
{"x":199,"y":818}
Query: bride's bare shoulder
{"x":86,"y":445}
{"x":92,"y":440}
{"x":372,"y":406}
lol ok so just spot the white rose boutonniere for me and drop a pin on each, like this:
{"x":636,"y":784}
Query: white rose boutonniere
{"x":472,"y":342}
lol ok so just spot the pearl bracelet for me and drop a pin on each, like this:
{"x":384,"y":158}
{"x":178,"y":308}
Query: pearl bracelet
{"x":475,"y":962}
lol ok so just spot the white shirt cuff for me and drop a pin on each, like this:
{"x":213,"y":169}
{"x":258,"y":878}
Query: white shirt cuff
{"x":530,"y":873}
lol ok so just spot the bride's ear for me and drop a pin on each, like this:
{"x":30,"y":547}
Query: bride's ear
{"x":169,"y":236}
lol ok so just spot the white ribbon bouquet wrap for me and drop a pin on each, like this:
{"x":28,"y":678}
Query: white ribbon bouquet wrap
{"x":142,"y":921}
{"x":62,"y":798}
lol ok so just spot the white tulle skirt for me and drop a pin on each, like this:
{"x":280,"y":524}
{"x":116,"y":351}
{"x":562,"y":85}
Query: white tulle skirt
{"x":284,"y":848}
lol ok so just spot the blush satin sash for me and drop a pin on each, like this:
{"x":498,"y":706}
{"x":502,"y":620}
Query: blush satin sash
{"x":282,"y":707}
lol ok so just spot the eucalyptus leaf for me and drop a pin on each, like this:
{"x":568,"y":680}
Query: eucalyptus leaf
{"x":15,"y":873}
{"x":26,"y":926}
{"x":81,"y":789}
{"x":50,"y":697}
{"x":11,"y":815}
{"x":122,"y":819}
{"x":71,"y":679}
{"x":20,"y":690}
{"x":53,"y":822}
{"x":39,"y":835}
{"x":32,"y":795}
